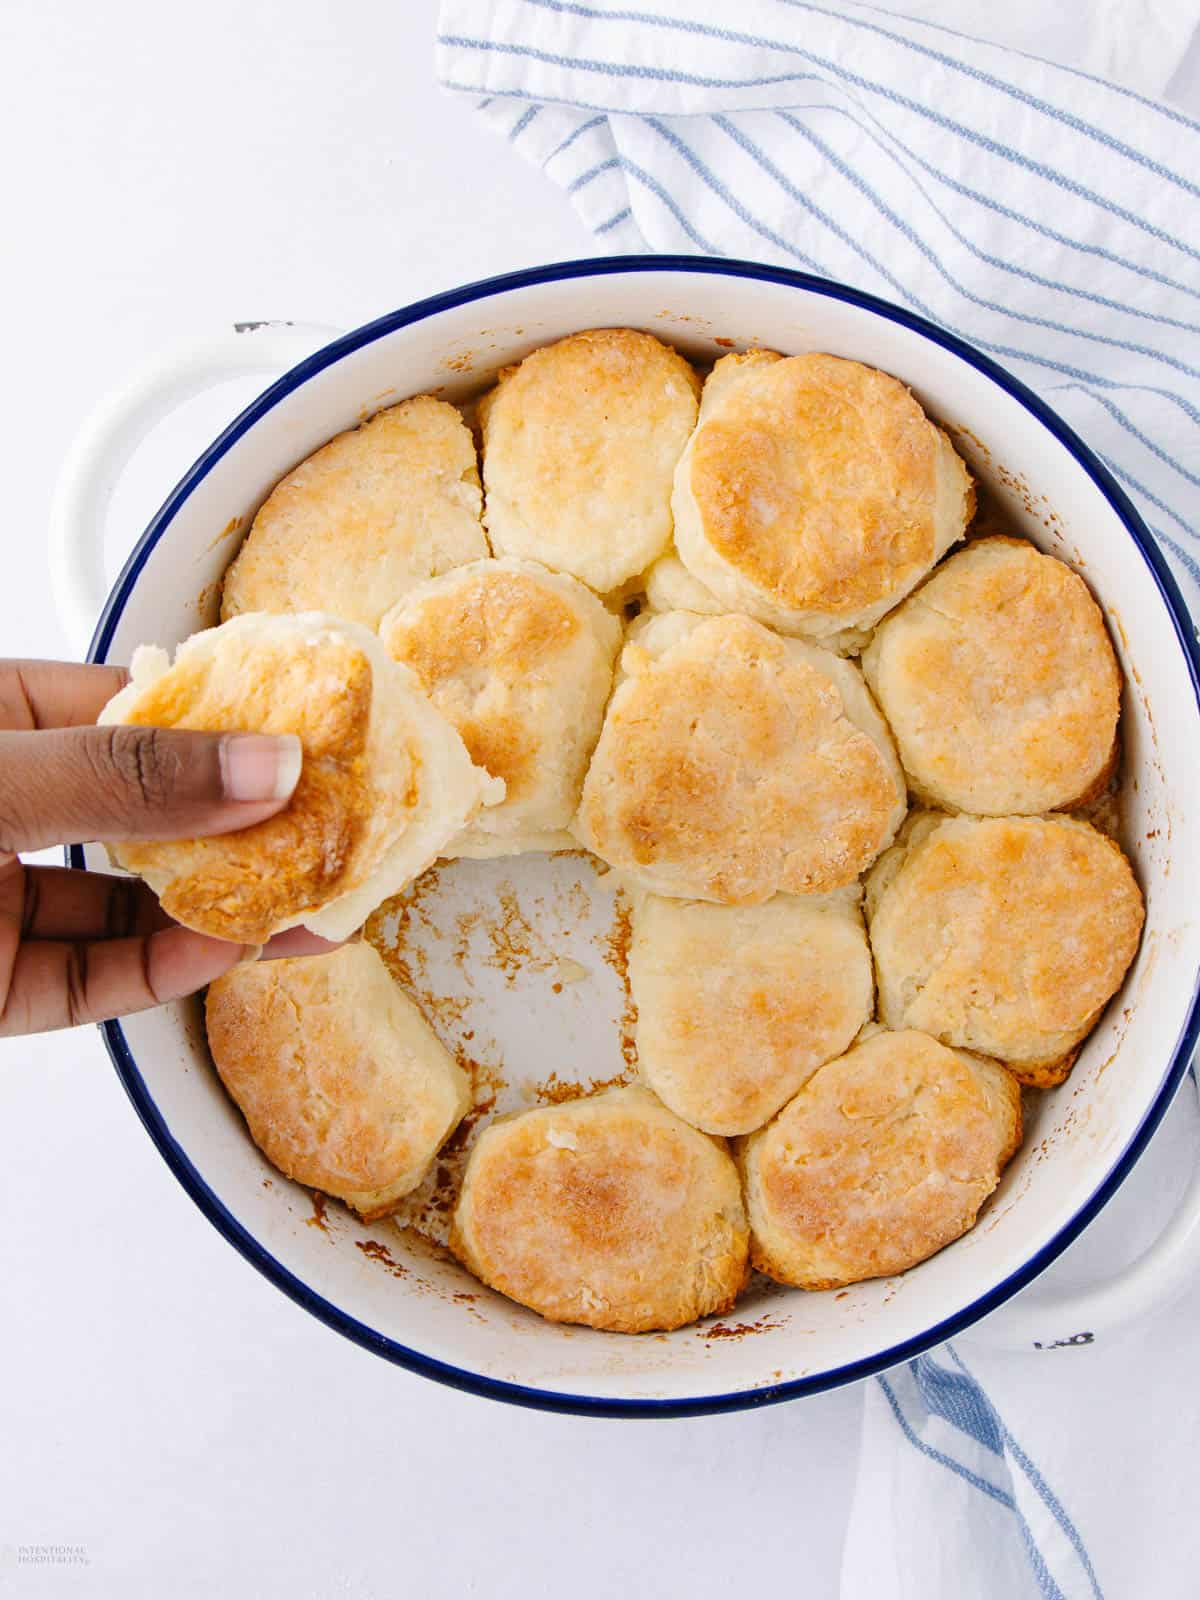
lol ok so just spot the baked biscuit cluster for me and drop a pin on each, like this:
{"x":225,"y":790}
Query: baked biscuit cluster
{"x":636,"y":629}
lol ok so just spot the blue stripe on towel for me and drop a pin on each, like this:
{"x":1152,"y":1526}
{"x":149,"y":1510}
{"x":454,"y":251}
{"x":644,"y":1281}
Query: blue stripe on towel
{"x":612,"y":222}
{"x":522,"y":122}
{"x":1046,"y":1584}
{"x":584,"y":127}
{"x":960,"y":1401}
{"x":1044,"y":1491}
{"x":585,"y":178}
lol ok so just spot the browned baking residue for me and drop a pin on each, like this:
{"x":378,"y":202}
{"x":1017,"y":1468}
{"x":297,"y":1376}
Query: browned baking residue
{"x":513,"y":941}
{"x":957,"y":431}
{"x":318,"y":1218}
{"x":376,"y":404}
{"x":234,"y":525}
{"x":614,"y":946}
{"x":556,"y":1091}
{"x":557,"y":987}
{"x":403,"y":956}
{"x":207,"y":599}
{"x":466,"y":922}
{"x":577,"y":900}
{"x":376,"y":1250}
{"x":726,"y":344}
{"x":463,"y":362}
{"x":737,"y":1330}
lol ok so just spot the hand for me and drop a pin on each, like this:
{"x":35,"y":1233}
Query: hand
{"x":82,"y":946}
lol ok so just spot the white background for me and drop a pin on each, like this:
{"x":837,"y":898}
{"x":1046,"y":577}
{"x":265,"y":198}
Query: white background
{"x":160,"y":1405}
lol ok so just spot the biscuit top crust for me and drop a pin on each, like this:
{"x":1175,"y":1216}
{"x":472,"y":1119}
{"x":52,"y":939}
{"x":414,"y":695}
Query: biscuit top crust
{"x":883,"y":1157}
{"x":337,"y":1074}
{"x":1005,"y":935}
{"x":580,"y":445}
{"x":360,"y":521}
{"x":1000,"y":682}
{"x":608,"y":1210}
{"x":729,"y":769}
{"x":479,"y":643}
{"x":816,"y":479}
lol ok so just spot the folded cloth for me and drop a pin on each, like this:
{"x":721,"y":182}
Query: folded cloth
{"x":1052,"y":219}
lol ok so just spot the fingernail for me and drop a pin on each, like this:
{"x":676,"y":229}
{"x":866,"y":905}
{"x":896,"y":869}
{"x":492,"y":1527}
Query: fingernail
{"x":258,"y":766}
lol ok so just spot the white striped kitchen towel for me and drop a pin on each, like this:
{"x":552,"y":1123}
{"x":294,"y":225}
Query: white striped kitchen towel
{"x":1053,"y":220}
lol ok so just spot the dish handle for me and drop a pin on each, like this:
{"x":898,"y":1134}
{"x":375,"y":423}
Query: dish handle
{"x":112,"y":433}
{"x":1043,"y":1318}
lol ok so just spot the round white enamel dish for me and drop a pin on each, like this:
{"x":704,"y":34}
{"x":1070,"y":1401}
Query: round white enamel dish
{"x":1081,"y":1139}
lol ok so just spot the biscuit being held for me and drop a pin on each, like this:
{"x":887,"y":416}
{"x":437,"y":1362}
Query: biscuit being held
{"x":737,"y":1006}
{"x":365,"y":518}
{"x":520,"y":660}
{"x":815,"y":493}
{"x":1005,"y":935}
{"x":579,"y":446}
{"x":1000,"y":683}
{"x":734,"y":764}
{"x":343,"y":1084}
{"x":884,"y":1157}
{"x":386,"y":782}
{"x":608,"y":1211}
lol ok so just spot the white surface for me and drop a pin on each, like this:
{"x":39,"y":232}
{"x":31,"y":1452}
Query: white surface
{"x":160,"y":1404}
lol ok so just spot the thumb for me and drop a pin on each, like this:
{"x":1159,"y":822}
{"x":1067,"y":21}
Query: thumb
{"x":75,"y":785}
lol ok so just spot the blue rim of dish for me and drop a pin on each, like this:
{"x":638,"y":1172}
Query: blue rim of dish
{"x":587,"y":1405}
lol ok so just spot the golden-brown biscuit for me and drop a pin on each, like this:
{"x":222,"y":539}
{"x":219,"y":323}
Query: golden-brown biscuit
{"x":520,"y":660}
{"x":883,"y":1158}
{"x":386,"y":781}
{"x":365,"y":518}
{"x":608,"y":1211}
{"x":734,"y":764}
{"x":815,"y":493}
{"x":580,"y":443}
{"x":737,"y":1006}
{"x":343,"y":1084}
{"x":1004,"y":935}
{"x":1000,"y":683}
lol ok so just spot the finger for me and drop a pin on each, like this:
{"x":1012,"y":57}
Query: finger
{"x":59,"y":903}
{"x":55,"y":694}
{"x":74,"y":785}
{"x":297,"y":942}
{"x":53,"y":984}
